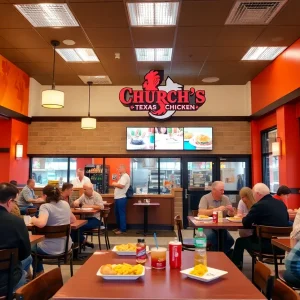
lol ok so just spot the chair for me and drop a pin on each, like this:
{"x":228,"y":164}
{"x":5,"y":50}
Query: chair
{"x":53,"y":232}
{"x":100,"y":230}
{"x":43,"y":287}
{"x":8,"y":259}
{"x":281,"y":291}
{"x":263,"y":279}
{"x":268,"y":232}
{"x":194,"y":214}
{"x":187,"y":244}
{"x":31,"y":211}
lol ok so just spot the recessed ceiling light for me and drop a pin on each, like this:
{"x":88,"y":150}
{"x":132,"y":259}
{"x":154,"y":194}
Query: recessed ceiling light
{"x":98,"y":79}
{"x":153,"y":54}
{"x":210,"y":79}
{"x":78,"y":54}
{"x":153,"y":14}
{"x":263,"y":53}
{"x":69,"y":42}
{"x":48,"y":15}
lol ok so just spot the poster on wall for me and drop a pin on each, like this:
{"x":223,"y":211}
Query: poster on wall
{"x":139,"y":138}
{"x":167,"y":138}
{"x":197,"y":138}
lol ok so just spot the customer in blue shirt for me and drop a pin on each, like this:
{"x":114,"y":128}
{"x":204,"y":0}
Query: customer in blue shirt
{"x":292,"y":265}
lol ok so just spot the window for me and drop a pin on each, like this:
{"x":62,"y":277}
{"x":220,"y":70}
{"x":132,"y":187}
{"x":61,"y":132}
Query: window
{"x":233,"y":174}
{"x":269,"y":162}
{"x":170,"y":174}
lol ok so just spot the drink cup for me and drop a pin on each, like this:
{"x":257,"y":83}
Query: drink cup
{"x":158,"y":257}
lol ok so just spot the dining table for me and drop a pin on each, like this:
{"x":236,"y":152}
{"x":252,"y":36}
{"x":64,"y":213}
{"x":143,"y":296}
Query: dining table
{"x":84,"y":213}
{"x":220,"y":227}
{"x":36,"y":238}
{"x":167,"y":284}
{"x":285,"y":244}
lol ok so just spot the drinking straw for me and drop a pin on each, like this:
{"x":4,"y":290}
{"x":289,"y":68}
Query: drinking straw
{"x":155,"y":240}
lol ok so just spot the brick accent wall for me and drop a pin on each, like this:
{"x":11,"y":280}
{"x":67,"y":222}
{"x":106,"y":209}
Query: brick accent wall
{"x":110,"y":138}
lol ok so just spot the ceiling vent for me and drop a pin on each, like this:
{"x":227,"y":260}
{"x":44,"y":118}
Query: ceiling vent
{"x":251,"y":12}
{"x":101,"y":79}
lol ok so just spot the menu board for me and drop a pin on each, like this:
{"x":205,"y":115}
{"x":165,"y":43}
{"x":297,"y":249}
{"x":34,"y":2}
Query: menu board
{"x":167,"y":138}
{"x":197,"y":138}
{"x":139,"y":138}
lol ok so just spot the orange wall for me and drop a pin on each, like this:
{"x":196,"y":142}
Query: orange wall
{"x":114,"y":163}
{"x":280,"y":78}
{"x":81,"y":162}
{"x":14,"y":87}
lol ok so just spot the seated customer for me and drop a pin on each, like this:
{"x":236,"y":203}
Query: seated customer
{"x":245,"y":204}
{"x":14,"y":234}
{"x":266,"y":211}
{"x":283,"y":194}
{"x":295,"y":234}
{"x":216,"y":201}
{"x":66,"y":192}
{"x":54,"y":212}
{"x":92,"y":199}
{"x":292,"y":265}
{"x":27,"y":197}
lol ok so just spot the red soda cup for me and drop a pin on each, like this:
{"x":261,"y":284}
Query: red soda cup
{"x":175,"y":249}
{"x":215,"y":217}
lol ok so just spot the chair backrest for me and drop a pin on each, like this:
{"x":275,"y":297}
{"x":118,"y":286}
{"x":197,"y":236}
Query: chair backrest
{"x":54,"y":232}
{"x":104,"y":216}
{"x":195,"y":213}
{"x":178,"y":223}
{"x":281,"y":291}
{"x":8,"y":259}
{"x":263,"y":279}
{"x":31,"y":211}
{"x":43,"y":287}
{"x":269,"y":232}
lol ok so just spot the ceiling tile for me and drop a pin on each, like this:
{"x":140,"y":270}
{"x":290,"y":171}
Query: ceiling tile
{"x":39,"y":55}
{"x":119,"y":66}
{"x":35,"y":1}
{"x":108,"y":54}
{"x":145,"y":67}
{"x":103,"y":14}
{"x":43,"y":79}
{"x":68,"y":80}
{"x":238,"y":36}
{"x":67,"y":33}
{"x":227,"y":53}
{"x":162,"y":37}
{"x":14,"y":55}
{"x":278,"y":36}
{"x":124,"y":80}
{"x":4,"y":43}
{"x":197,"y":36}
{"x":184,"y":79}
{"x":204,"y":13}
{"x":289,"y":14}
{"x":87,"y":68}
{"x":11,"y":18}
{"x":186,"y":68}
{"x":109,"y":37}
{"x":191,"y":53}
{"x":23,"y":38}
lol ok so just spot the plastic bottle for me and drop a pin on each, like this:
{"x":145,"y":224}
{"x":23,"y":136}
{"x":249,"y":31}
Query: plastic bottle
{"x":141,"y":254}
{"x":200,"y":256}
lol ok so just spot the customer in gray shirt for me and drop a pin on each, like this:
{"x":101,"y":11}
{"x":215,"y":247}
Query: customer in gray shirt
{"x":217,"y":201}
{"x":55,"y":212}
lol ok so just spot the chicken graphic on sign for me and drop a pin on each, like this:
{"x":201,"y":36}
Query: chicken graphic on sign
{"x":161,"y":101}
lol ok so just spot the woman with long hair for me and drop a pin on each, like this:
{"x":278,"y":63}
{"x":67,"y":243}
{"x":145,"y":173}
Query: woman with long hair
{"x":54,"y":212}
{"x":245,"y":204}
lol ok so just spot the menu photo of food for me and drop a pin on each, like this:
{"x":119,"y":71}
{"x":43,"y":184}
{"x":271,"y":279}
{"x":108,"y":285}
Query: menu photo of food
{"x":140,"y":138}
{"x":197,"y":138}
{"x":167,"y":138}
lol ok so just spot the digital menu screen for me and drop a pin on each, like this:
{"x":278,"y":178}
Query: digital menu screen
{"x":197,"y":138}
{"x":167,"y":138}
{"x":140,"y":138}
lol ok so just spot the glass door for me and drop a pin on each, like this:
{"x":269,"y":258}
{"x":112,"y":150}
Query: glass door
{"x":198,"y":175}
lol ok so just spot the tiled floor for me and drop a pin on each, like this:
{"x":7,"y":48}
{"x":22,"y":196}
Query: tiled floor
{"x":163,"y":241}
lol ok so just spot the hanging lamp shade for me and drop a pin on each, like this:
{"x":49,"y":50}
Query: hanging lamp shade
{"x":88,"y":122}
{"x":53,"y":98}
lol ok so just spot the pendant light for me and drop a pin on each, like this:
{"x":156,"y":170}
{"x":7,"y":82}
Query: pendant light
{"x":53,"y":98}
{"x":89,"y":123}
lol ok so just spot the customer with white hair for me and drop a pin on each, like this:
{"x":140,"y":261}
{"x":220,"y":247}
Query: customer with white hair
{"x":267,"y":211}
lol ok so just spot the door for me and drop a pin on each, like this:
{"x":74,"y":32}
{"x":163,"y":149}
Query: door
{"x":198,"y":175}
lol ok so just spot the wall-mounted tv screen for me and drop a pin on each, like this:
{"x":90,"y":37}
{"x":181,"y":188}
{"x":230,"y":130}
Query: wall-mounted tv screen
{"x":167,"y":138}
{"x":198,"y":138}
{"x":140,"y":138}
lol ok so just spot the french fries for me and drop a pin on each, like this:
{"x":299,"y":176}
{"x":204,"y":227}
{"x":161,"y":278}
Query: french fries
{"x":199,"y":270}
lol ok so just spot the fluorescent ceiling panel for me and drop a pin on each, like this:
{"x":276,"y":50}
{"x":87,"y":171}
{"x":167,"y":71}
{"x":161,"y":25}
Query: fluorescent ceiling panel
{"x":48,"y":15}
{"x":263,"y":53}
{"x":78,"y":54}
{"x":153,"y":14}
{"x":153,"y":54}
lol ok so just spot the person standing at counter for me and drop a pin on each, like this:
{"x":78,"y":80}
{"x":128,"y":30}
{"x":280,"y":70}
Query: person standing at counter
{"x":80,"y":180}
{"x":121,"y":188}
{"x":27,"y":197}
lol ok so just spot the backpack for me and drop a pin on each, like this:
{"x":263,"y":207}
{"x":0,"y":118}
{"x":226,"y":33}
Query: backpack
{"x":129,"y":193}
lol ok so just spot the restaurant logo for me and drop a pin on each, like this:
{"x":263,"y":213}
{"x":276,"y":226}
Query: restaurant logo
{"x":161,"y":101}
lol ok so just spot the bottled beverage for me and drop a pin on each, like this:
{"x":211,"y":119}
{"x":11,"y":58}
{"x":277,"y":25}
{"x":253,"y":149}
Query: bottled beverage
{"x":175,"y":249}
{"x":200,"y":248}
{"x":141,"y":254}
